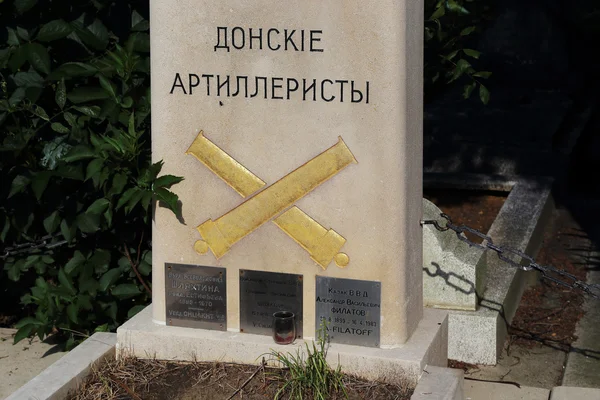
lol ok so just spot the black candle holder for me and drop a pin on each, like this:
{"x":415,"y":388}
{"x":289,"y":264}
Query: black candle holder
{"x":284,"y":327}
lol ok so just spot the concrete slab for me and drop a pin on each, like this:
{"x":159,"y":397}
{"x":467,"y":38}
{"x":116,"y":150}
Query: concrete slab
{"x":143,"y":338}
{"x":574,"y":393}
{"x":21,"y":362}
{"x":55,"y":382}
{"x":475,"y":390}
{"x":477,"y":337}
{"x":438,"y":383}
{"x":538,"y":366}
{"x":583,"y":362}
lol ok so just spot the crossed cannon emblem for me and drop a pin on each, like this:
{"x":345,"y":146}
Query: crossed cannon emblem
{"x":274,"y":203}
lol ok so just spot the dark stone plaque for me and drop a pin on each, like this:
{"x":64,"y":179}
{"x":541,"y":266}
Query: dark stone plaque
{"x":350,"y":310}
{"x":196,"y":296}
{"x":264,"y":293}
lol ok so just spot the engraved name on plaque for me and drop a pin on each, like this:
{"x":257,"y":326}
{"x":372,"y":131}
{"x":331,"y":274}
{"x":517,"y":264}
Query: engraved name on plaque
{"x":196,"y":296}
{"x":264,"y":293}
{"x":350,"y":310}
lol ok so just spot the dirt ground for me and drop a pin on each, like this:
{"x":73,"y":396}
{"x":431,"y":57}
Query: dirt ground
{"x":160,"y":380}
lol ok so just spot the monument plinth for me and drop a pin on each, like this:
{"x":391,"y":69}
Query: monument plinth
{"x":298,"y":129}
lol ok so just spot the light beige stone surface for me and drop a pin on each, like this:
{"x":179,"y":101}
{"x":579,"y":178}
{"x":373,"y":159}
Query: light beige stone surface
{"x":374,"y":204}
{"x":440,"y":383}
{"x":475,"y":390}
{"x":427,"y":347}
{"x":21,"y":362}
{"x":453,"y":271}
{"x":55,"y":382}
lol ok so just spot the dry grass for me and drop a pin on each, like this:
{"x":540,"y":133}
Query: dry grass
{"x":136,"y":379}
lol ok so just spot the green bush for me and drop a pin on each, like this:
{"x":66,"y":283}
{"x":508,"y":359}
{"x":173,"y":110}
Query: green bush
{"x":78,"y":181}
{"x":448,"y":27}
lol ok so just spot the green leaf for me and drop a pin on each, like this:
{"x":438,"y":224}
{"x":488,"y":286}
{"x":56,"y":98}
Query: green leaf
{"x":40,"y":112}
{"x":52,"y":222}
{"x":166,"y":181}
{"x":27,"y":321}
{"x":61,"y":94}
{"x":18,"y":185}
{"x":75,"y":261}
{"x":94,"y":168}
{"x":483,"y":74}
{"x":38,"y":57}
{"x":13,"y":38}
{"x":95,"y":35}
{"x":134,"y":310}
{"x":24,"y":5}
{"x":54,"y":30}
{"x":23,"y":333}
{"x":109,"y":278}
{"x":100,"y":260}
{"x":28,"y":79}
{"x":60,"y":128}
{"x":72,"y":312}
{"x":472,"y":53}
{"x":67,"y":231}
{"x":484,"y":94}
{"x":23,"y":34}
{"x":451,"y":55}
{"x":144,"y":268}
{"x":17,"y":96}
{"x":453,"y":6}
{"x":39,"y":183}
{"x":107,"y":86}
{"x":124,"y":199}
{"x":65,"y":281}
{"x":53,"y":151}
{"x":92,"y":111}
{"x":73,"y":70}
{"x":169,"y":199}
{"x":467,"y":31}
{"x":71,"y":119}
{"x":86,"y":94}
{"x":126,"y":290}
{"x":98,"y":206}
{"x":101,"y":328}
{"x":468,"y":89}
{"x":127,"y":102}
{"x":5,"y":229}
{"x":80,"y":152}
{"x":88,"y":223}
{"x":461,"y":67}
{"x":70,"y":171}
{"x":118,"y":183}
{"x":439,"y":12}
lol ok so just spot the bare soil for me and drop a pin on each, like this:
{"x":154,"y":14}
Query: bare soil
{"x":136,"y":379}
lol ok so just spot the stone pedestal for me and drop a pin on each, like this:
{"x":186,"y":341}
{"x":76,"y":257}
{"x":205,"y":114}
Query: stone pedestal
{"x":298,"y":129}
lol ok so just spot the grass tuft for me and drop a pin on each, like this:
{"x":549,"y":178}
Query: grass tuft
{"x":310,"y":376}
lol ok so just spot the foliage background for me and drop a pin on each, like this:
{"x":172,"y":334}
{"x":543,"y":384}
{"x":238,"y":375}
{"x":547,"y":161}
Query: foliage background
{"x":77,"y":180}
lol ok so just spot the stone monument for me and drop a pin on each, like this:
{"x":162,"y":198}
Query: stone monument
{"x":298,"y":129}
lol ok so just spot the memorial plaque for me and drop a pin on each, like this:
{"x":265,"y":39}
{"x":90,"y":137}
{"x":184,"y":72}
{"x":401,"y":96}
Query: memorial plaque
{"x":350,"y":310}
{"x":264,"y":293}
{"x":196,"y":296}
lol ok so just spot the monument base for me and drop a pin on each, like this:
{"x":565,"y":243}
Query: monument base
{"x":428,"y":345}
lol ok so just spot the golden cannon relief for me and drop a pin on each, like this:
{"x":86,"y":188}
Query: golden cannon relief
{"x":273,"y":203}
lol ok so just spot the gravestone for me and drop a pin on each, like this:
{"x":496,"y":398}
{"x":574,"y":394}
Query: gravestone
{"x":298,"y":129}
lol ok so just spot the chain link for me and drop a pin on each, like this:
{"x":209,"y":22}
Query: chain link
{"x":526,"y":263}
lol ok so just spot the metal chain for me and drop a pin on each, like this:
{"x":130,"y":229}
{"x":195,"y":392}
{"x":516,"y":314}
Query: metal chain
{"x":526,"y":263}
